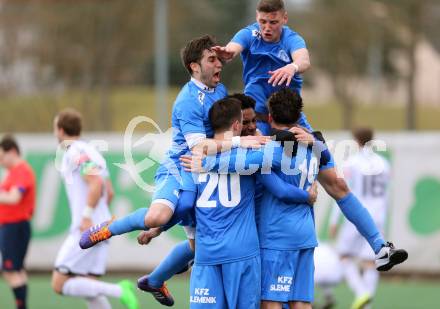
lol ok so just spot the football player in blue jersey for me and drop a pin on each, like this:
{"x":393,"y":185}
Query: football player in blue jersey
{"x":226,"y":272}
{"x":287,"y":234}
{"x":273,"y":57}
{"x":191,"y":131}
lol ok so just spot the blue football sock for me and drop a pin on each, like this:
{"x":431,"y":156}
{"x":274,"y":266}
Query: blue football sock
{"x":174,"y":262}
{"x":132,"y":222}
{"x":357,"y":214}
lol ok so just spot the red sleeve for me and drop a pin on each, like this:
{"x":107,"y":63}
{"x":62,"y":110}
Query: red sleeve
{"x":21,"y":178}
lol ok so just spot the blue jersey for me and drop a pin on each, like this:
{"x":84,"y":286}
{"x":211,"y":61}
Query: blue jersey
{"x":259,"y":57}
{"x":190,"y":115}
{"x":281,"y":225}
{"x":226,"y":229}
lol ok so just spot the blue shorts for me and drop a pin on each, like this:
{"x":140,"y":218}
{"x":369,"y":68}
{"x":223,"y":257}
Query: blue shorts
{"x":287,"y":275}
{"x":167,"y":190}
{"x":230,"y":285}
{"x":14,"y":241}
{"x":260,"y":92}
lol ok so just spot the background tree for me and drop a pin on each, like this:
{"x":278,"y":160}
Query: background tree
{"x":414,"y":20}
{"x":340,"y":35}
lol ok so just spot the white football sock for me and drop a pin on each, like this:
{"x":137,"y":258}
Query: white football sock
{"x":353,"y":277}
{"x":90,"y":288}
{"x":100,"y":302}
{"x":371,"y":279}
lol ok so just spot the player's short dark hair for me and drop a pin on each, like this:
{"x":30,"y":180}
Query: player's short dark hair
{"x":285,"y":106}
{"x":246,"y":101}
{"x":70,"y":121}
{"x":270,"y":6}
{"x":193,"y":51}
{"x":8,"y":143}
{"x":363,"y":135}
{"x":223,"y":113}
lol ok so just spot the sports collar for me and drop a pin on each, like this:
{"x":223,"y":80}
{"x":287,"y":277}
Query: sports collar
{"x":201,"y":85}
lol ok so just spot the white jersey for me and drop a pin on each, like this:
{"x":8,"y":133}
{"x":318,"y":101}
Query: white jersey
{"x":368,"y":176}
{"x":78,"y":155}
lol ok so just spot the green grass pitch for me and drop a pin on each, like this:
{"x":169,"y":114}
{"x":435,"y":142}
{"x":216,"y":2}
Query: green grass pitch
{"x":392,"y":294}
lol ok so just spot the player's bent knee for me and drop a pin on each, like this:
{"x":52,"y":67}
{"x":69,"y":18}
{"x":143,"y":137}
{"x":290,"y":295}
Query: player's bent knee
{"x":368,"y":264}
{"x":13,"y":278}
{"x":158,"y":215}
{"x":57,"y":288}
{"x":345,"y":257}
{"x":154,"y":219}
{"x":57,"y":282}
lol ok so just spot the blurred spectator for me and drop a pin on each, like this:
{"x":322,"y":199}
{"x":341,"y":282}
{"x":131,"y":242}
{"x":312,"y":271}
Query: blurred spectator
{"x":17,"y":202}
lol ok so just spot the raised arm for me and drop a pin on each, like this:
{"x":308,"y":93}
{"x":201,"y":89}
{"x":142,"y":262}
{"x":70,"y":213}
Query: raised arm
{"x":228,"y":52}
{"x":301,"y":58}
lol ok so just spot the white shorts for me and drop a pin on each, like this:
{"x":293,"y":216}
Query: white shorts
{"x":328,"y":269}
{"x":350,"y":242}
{"x":71,"y":259}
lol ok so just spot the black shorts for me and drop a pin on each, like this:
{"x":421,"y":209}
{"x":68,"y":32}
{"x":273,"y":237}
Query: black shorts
{"x":14,"y":241}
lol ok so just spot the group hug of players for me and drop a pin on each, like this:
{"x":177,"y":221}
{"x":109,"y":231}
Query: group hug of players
{"x":244,"y":199}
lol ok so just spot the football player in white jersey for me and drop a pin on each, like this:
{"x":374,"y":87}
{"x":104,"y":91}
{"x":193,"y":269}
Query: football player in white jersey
{"x":89,"y":192}
{"x":368,"y":176}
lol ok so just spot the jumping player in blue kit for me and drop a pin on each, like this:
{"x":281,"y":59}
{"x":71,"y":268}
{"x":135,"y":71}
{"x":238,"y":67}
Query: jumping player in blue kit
{"x":273,"y":57}
{"x":192,"y":130}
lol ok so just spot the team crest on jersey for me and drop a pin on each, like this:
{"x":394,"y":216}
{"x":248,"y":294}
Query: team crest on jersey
{"x":256,"y":33}
{"x":283,"y":55}
{"x":201,"y":97}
